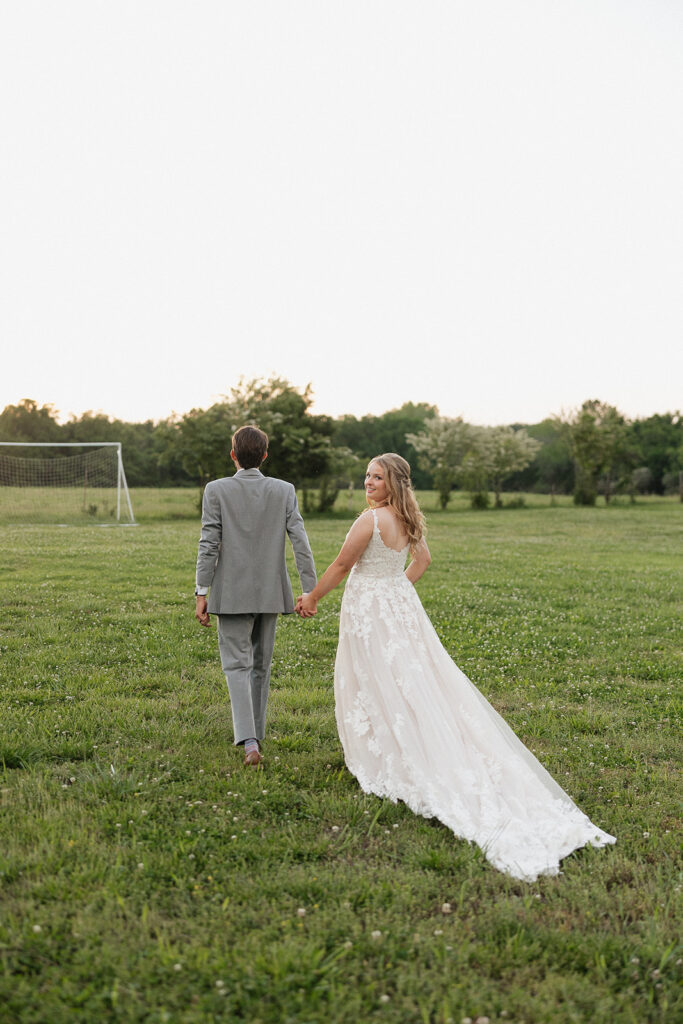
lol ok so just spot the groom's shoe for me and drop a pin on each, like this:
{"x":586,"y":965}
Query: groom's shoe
{"x":253,"y":759}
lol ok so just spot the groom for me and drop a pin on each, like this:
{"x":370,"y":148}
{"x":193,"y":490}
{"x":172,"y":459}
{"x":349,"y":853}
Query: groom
{"x":241,"y":560}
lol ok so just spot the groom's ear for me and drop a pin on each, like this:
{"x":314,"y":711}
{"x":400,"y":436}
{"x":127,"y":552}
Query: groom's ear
{"x":264,"y":458}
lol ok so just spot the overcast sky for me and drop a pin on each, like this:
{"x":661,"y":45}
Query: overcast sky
{"x":474,"y":204}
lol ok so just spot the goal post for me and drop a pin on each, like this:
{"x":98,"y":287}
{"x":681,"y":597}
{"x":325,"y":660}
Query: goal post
{"x":64,"y":482}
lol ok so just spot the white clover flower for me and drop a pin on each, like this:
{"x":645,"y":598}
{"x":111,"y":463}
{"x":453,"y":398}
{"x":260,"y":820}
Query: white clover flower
{"x":37,"y":928}
{"x":335,"y":828}
{"x":301,"y":912}
{"x":177,"y":967}
{"x":384,"y":998}
{"x":376,"y":935}
{"x":438,"y":931}
{"x":220,"y":984}
{"x":140,"y":866}
{"x":445,"y":908}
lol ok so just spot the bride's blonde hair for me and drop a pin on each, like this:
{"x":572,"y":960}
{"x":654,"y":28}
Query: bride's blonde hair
{"x":401,"y":496}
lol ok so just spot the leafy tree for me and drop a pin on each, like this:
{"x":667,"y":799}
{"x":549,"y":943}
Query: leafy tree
{"x":300,"y":445}
{"x":551,"y":470}
{"x":28,"y":421}
{"x":343,"y":467}
{"x":641,"y":479}
{"x":658,"y":440}
{"x":673,"y":482}
{"x":600,"y":449}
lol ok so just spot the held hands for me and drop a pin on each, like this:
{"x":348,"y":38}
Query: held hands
{"x":201,"y":613}
{"x":306,"y":607}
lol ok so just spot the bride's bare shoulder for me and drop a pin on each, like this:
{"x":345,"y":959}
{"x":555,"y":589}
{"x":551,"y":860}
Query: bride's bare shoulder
{"x":391,"y":526}
{"x":386,"y":515}
{"x":363,"y":524}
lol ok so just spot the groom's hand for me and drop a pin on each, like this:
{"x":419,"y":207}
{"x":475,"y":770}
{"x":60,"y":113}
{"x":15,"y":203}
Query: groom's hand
{"x":200,"y":612}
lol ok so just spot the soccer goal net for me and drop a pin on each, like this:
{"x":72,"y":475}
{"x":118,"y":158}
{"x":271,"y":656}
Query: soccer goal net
{"x":63,"y":483}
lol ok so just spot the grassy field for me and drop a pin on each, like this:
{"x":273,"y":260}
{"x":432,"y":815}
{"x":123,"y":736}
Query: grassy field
{"x":146,"y":876}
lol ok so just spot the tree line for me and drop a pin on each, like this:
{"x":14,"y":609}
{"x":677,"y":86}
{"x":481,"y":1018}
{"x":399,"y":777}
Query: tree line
{"x":593,"y":451}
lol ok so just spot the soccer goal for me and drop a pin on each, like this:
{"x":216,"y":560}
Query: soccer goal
{"x":67,"y":482}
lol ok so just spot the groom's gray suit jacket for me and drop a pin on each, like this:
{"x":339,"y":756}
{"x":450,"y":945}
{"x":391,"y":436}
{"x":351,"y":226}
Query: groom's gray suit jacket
{"x":245,"y":519}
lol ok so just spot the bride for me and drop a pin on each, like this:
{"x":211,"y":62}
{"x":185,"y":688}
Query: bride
{"x":412,"y":725}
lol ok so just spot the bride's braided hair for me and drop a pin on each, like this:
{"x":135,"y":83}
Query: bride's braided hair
{"x":401,"y":496}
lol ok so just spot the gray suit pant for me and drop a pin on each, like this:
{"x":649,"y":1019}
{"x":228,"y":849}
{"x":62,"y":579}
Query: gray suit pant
{"x":246,"y":646}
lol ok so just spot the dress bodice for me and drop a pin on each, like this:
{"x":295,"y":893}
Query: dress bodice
{"x":378,"y":560}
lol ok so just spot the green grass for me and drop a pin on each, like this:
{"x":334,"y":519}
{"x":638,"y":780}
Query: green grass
{"x":147,"y":877}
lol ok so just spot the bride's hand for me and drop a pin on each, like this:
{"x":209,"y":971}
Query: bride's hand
{"x":307,"y":606}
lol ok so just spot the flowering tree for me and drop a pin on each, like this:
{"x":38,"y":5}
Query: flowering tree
{"x":506,"y":451}
{"x":442,"y":446}
{"x":479,"y":457}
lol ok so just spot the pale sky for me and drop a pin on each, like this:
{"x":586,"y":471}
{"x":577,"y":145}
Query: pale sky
{"x":474,"y":204}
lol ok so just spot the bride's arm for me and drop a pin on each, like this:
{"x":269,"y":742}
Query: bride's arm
{"x":357,"y":539}
{"x":419,"y":562}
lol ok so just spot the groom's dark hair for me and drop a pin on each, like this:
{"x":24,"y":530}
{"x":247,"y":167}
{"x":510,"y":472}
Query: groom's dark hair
{"x":249,"y":445}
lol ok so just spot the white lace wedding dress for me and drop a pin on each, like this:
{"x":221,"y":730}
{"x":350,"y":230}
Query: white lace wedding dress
{"x":414,"y":728}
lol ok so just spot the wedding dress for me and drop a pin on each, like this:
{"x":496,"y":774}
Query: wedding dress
{"x":414,"y":728}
